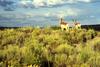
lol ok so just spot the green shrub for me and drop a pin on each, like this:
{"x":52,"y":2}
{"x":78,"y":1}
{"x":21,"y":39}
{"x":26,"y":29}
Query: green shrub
{"x":96,"y":45}
{"x":35,"y":46}
{"x":65,"y":48}
{"x":94,"y":61}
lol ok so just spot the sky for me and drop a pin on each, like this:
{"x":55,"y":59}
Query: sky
{"x":16,"y":13}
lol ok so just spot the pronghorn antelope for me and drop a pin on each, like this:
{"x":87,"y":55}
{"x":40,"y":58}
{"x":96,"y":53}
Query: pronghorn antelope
{"x":77,"y":25}
{"x":64,"y":25}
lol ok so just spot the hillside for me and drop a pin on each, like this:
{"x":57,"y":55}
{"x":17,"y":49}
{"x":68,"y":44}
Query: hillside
{"x":49,"y":47}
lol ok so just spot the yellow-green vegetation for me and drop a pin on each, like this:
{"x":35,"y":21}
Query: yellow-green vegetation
{"x":48,"y":47}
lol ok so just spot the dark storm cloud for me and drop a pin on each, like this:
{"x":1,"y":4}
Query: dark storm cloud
{"x":7,"y":5}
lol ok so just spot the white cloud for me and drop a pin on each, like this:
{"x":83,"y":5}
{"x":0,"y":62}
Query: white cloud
{"x":63,"y":13}
{"x":40,"y":3}
{"x":68,"y":12}
{"x":57,"y":14}
{"x":53,"y":2}
{"x":85,"y":1}
{"x":24,"y":2}
{"x":92,"y":16}
{"x":71,"y":1}
{"x":76,"y":1}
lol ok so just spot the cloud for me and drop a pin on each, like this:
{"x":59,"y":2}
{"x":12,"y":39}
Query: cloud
{"x":49,"y":3}
{"x":64,"y":13}
{"x":37,"y":3}
{"x":24,"y":2}
{"x":73,"y":12}
{"x":76,"y":1}
{"x":42,"y":3}
{"x":54,"y":2}
{"x":85,"y":1}
{"x":7,"y":5}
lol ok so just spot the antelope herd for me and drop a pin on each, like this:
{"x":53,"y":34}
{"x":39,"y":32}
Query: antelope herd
{"x":65,"y":26}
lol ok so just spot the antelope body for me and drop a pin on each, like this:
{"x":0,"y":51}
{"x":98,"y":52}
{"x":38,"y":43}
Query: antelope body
{"x":64,"y":25}
{"x":77,"y":25}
